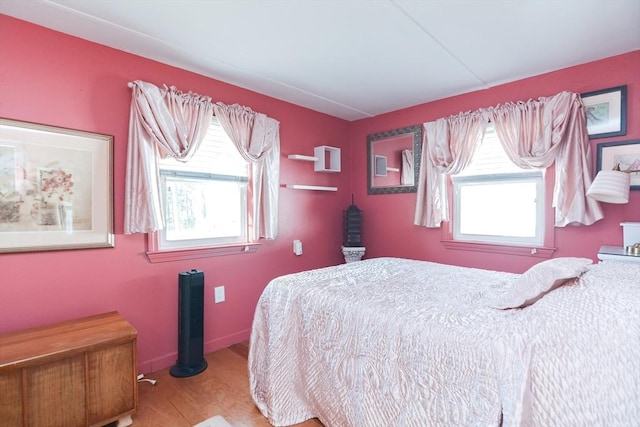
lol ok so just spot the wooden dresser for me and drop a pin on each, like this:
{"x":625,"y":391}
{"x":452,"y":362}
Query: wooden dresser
{"x":76,"y":373}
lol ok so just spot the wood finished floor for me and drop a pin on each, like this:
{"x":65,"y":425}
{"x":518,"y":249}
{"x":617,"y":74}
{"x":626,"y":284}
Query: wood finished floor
{"x":222,"y":389}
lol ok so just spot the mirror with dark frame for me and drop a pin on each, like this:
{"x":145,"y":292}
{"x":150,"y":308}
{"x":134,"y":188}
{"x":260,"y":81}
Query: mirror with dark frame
{"x":393,"y":160}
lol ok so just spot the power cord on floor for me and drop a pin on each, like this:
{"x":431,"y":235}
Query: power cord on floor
{"x":142,"y":378}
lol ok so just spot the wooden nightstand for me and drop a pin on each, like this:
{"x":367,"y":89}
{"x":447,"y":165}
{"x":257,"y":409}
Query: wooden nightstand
{"x":76,"y":373}
{"x":616,"y":254}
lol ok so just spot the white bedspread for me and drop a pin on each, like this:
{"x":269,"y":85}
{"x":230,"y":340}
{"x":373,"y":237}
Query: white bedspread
{"x":393,"y":342}
{"x":573,"y":358}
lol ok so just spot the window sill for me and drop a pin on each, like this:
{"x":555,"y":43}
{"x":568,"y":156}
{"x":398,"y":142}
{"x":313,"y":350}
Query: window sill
{"x":156,"y":256}
{"x":536,"y":252}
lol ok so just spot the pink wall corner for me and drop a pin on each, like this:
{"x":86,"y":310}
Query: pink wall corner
{"x":388,"y":219}
{"x":50,"y":78}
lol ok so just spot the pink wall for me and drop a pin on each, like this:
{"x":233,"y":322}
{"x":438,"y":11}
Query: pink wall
{"x":51,"y":78}
{"x":388,"y":218}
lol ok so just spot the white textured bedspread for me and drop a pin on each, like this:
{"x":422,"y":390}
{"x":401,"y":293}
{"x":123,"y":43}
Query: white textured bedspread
{"x":573,"y":357}
{"x":394,"y":342}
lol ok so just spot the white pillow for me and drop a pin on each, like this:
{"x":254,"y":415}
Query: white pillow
{"x":539,"y":280}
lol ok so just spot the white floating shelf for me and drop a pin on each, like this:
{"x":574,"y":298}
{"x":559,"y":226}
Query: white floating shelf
{"x":325,"y":158}
{"x":328,"y":159}
{"x":311,"y":187}
{"x":301,"y":157}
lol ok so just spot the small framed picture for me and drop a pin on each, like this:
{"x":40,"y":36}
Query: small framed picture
{"x":381,"y":166}
{"x":606,"y":112}
{"x":625,"y":155}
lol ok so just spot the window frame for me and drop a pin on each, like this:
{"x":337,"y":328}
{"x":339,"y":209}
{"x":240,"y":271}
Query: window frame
{"x":543,"y":250}
{"x":534,"y":177}
{"x":160,"y":250}
{"x":155,"y":255}
{"x":164,"y":244}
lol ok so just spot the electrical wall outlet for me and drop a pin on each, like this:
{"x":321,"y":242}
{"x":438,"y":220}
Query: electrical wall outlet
{"x":297,"y":247}
{"x":218,"y":294}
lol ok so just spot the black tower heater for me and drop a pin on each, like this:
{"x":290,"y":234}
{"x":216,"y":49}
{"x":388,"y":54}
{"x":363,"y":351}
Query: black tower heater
{"x":190,"y":325}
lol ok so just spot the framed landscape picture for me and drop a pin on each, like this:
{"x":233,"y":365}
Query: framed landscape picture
{"x":625,"y":155}
{"x":606,"y":112}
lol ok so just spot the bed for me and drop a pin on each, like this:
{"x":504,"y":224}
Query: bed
{"x":399,"y":342}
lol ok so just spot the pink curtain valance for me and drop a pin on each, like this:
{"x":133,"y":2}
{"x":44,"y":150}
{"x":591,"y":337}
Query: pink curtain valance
{"x":167,"y":122}
{"x":162,"y":122}
{"x":535,"y":134}
{"x":448,"y":147}
{"x":257,"y":138}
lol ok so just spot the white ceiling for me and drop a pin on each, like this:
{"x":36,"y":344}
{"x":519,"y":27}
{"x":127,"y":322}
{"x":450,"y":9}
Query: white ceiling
{"x":352,"y":58}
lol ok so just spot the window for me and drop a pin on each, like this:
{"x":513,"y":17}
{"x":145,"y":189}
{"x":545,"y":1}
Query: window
{"x":497,"y":202}
{"x":205,"y":199}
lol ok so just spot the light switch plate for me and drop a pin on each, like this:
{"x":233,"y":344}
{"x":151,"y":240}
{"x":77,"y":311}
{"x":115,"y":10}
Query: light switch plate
{"x":297,"y":247}
{"x":218,"y":294}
